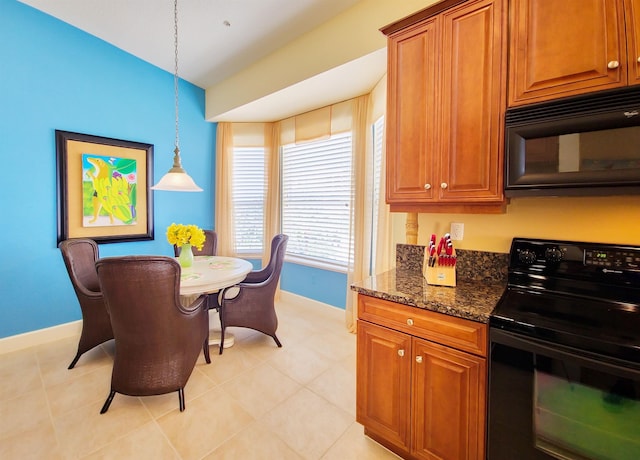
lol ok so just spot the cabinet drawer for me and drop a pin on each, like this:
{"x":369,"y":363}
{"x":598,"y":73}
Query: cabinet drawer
{"x":447,"y":330}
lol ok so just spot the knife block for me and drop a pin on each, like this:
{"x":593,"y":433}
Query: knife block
{"x":439,"y":275}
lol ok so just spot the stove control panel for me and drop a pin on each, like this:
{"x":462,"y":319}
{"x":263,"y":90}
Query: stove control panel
{"x":568,"y":256}
{"x":612,"y":258}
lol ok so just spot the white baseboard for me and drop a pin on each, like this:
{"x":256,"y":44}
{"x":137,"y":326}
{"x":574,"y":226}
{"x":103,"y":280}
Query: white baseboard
{"x":290,"y":297}
{"x":33,"y":338}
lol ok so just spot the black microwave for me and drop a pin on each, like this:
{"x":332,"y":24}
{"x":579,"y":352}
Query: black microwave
{"x":580,"y":146}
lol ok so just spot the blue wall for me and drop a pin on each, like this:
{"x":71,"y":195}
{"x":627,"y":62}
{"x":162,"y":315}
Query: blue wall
{"x":54,"y":76}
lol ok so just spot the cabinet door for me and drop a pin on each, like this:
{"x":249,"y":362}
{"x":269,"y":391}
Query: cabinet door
{"x":383,"y":383}
{"x":564,"y":48}
{"x":448,"y":403}
{"x":411,"y":114}
{"x":473,"y":102}
{"x":632,"y":16}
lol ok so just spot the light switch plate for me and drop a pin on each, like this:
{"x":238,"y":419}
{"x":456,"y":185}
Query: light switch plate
{"x":457,"y":231}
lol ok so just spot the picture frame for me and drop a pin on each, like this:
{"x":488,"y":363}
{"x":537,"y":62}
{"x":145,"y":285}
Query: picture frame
{"x":103,"y":188}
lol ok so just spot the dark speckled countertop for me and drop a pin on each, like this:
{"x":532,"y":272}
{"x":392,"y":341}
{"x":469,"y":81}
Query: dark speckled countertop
{"x":481,"y":280}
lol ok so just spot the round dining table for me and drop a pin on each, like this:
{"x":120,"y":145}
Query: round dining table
{"x":208,"y":275}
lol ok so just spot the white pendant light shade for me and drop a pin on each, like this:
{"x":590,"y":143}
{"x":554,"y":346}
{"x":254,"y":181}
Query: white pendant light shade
{"x":177,"y":179}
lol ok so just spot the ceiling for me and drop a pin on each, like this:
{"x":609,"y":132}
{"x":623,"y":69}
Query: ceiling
{"x":217,"y":39}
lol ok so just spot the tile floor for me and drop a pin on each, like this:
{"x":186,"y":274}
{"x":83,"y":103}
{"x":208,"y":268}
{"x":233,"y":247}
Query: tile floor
{"x":256,"y":401}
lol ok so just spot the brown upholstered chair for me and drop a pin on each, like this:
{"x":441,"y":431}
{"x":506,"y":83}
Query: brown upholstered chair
{"x":80,"y":255}
{"x":157,"y":340}
{"x":253,"y":306}
{"x":210,"y":247}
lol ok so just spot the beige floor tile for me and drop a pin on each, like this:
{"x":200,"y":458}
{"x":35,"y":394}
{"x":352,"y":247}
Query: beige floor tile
{"x":85,"y":430}
{"x":88,"y":388}
{"x":254,"y":443}
{"x":23,"y":413}
{"x":19,"y":373}
{"x":54,"y":358}
{"x":354,"y":445}
{"x":249,"y":403}
{"x":145,"y":443}
{"x":37,"y":442}
{"x":308,"y":423}
{"x":197,"y":385}
{"x":232,"y":362}
{"x":301,"y":363}
{"x":206,"y":423}
{"x":338,"y":386}
{"x":335,"y":345}
{"x":261,"y":389}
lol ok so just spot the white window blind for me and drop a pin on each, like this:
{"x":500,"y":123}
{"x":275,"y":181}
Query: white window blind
{"x":248,"y":198}
{"x":316,"y":201}
{"x":378,"y":138}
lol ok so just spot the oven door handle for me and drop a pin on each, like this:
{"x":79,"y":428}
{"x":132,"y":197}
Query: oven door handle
{"x":561,"y":352}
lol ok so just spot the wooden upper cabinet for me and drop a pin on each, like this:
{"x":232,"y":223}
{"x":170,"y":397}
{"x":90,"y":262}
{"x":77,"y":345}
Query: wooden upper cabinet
{"x":632,"y":17}
{"x":570,"y":47}
{"x":445,"y":114}
{"x":473,"y":103}
{"x":411,"y":125}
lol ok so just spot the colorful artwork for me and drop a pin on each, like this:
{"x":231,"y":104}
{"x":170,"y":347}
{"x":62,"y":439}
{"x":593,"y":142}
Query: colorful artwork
{"x":109,"y":190}
{"x":103,"y":188}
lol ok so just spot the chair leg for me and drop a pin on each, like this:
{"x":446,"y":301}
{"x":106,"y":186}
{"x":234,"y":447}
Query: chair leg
{"x":221,"y":314}
{"x":277,"y":341}
{"x":205,"y":349}
{"x":181,"y":398}
{"x":107,"y":403}
{"x":75,"y":360}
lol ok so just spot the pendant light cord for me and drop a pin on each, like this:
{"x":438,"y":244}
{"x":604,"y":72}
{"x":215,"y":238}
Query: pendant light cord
{"x":175,"y":75}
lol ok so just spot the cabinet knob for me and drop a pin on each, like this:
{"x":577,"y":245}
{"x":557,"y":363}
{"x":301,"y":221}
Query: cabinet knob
{"x":401,"y":353}
{"x":613,"y":64}
{"x":638,"y":58}
{"x":427,"y":186}
{"x":444,"y":185}
{"x":418,"y":359}
{"x":410,"y":322}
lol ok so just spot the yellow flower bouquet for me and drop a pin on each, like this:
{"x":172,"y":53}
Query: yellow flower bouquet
{"x":180,"y":235}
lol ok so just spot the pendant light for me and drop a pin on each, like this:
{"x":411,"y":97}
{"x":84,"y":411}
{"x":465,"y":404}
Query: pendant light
{"x":177,"y":179}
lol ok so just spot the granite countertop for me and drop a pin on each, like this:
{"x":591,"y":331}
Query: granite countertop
{"x":470,"y":299}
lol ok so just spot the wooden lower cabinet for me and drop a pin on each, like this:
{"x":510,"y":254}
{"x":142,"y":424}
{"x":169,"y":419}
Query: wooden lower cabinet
{"x":419,"y":398}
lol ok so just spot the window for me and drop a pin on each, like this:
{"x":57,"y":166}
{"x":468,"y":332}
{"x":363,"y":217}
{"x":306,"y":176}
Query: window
{"x":248,"y":199}
{"x":316,"y":201}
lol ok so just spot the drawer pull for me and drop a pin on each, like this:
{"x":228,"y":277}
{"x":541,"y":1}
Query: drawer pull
{"x":427,"y":186}
{"x":444,"y":185}
{"x":613,"y":64}
{"x":418,"y":359}
{"x":401,"y":352}
{"x":410,"y":322}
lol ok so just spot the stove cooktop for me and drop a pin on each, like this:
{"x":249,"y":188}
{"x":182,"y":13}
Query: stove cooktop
{"x":581,"y":295}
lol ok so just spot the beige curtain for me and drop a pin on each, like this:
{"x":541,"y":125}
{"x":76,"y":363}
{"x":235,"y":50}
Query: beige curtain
{"x":272,"y":184}
{"x":224,"y":186}
{"x":362,"y":174}
{"x":367,"y":234}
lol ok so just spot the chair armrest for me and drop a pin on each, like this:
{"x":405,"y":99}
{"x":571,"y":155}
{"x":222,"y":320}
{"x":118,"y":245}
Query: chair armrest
{"x":256,"y":276}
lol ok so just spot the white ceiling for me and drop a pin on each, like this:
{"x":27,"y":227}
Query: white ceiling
{"x":210,"y":50}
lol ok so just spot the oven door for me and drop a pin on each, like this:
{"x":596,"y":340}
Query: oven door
{"x":547,"y":402}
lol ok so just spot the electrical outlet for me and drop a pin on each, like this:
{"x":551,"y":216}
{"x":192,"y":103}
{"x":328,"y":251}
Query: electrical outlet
{"x":457,"y":231}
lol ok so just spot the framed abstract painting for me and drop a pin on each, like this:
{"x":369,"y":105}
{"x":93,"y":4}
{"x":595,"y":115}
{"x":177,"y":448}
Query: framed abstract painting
{"x":103,"y":188}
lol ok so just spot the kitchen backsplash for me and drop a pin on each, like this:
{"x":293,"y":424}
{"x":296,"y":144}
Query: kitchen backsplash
{"x":470,"y":265}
